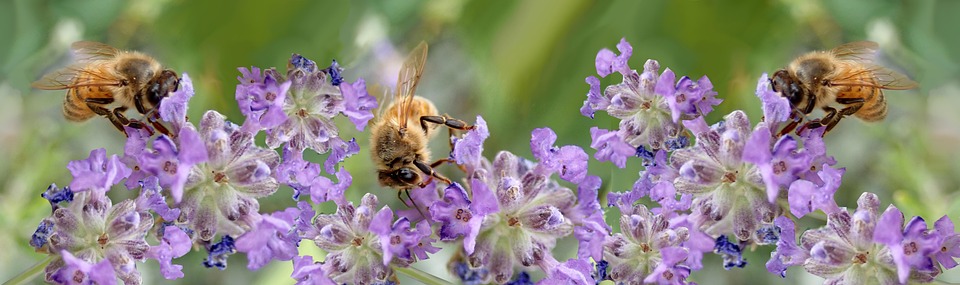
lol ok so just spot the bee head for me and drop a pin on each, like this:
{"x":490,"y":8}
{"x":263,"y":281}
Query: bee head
{"x":788,"y":86}
{"x":160,"y":86}
{"x":403,"y":177}
{"x":406,"y":175}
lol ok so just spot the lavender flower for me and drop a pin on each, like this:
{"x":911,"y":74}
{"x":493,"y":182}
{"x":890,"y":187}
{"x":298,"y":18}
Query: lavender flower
{"x":949,"y":243}
{"x":93,"y":230}
{"x":307,"y":272}
{"x":532,"y":213}
{"x":572,"y":271}
{"x":55,"y":195}
{"x":608,"y":62}
{"x":173,"y":108}
{"x":134,"y":148}
{"x":728,"y":192}
{"x":217,"y":253}
{"x":151,"y":199}
{"x":610,"y":147}
{"x":787,"y":253}
{"x":355,"y":253}
{"x":171,"y":161}
{"x":41,"y":235}
{"x":732,"y":253}
{"x":274,"y":237}
{"x":776,"y":108}
{"x":647,"y":250}
{"x":910,"y":246}
{"x":646,"y":118}
{"x":468,"y":151}
{"x":589,"y":226}
{"x":459,"y":216}
{"x":308,"y":106}
{"x":686,"y":98}
{"x":400,"y":240}
{"x":805,"y":197}
{"x":262,"y":102}
{"x":304,"y":177}
{"x":174,"y":243}
{"x":97,"y":172}
{"x":221,"y":194}
{"x":569,"y":161}
{"x":78,"y":271}
{"x":848,"y":250}
{"x":780,"y":166}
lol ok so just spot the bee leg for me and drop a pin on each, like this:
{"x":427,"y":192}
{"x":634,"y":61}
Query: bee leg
{"x":796,"y":117}
{"x":447,"y":121}
{"x":136,"y":124}
{"x":138,"y":102}
{"x":152,"y":118}
{"x":849,"y":110}
{"x":100,"y":110}
{"x":447,"y":160}
{"x":99,"y":101}
{"x":825,"y":121}
{"x":429,"y":170}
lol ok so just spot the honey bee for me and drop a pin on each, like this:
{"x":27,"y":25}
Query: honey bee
{"x":400,"y":134}
{"x":107,"y":82}
{"x":843,"y":81}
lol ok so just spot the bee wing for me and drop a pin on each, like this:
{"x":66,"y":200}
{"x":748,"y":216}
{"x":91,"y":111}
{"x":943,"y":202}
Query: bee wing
{"x":86,"y":53}
{"x":93,"y":51}
{"x":862,"y":52}
{"x":381,"y":92}
{"x":882,"y":78}
{"x":66,"y":78}
{"x":408,"y":80}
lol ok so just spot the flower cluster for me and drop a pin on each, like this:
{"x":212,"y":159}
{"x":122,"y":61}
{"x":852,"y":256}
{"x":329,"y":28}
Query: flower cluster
{"x":204,"y":181}
{"x":721,"y":188}
{"x":735,"y":179}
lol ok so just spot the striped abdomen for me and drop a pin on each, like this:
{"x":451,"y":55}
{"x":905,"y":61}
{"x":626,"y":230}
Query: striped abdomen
{"x":874,"y":105}
{"x":75,"y":103}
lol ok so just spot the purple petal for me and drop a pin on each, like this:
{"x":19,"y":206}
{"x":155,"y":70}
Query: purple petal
{"x":97,"y":172}
{"x":307,"y":272}
{"x":340,"y":150}
{"x":175,"y":243}
{"x":468,"y":151}
{"x":776,"y":108}
{"x":604,"y":62}
{"x":596,"y":99}
{"x":358,"y":104}
{"x":173,"y":108}
{"x":610,"y":147}
{"x":100,"y":273}
{"x":271,"y":238}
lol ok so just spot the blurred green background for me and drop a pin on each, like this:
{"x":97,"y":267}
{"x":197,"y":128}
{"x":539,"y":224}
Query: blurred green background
{"x":521,"y":65}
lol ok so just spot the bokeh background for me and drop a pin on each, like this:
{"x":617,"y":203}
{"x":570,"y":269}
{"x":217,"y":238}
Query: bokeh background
{"x":520,"y":65}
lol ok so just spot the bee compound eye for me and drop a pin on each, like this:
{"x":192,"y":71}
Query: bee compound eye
{"x":407,"y":175}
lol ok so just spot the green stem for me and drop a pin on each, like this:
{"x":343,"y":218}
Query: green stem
{"x":31,"y":272}
{"x":419,"y":275}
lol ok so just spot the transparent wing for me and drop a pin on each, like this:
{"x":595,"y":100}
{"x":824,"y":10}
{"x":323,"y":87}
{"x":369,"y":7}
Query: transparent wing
{"x":67,"y":77}
{"x":93,"y":51}
{"x":408,"y":80}
{"x":872,"y":75}
{"x":862,"y":52}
